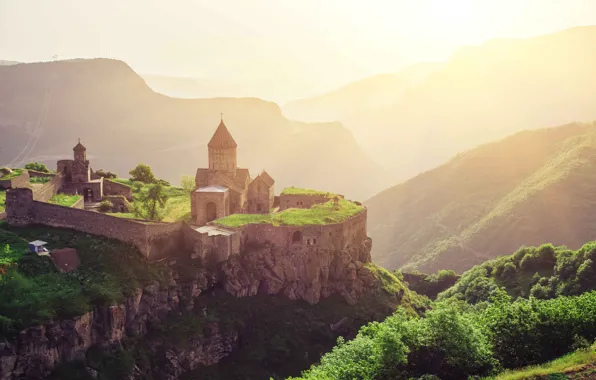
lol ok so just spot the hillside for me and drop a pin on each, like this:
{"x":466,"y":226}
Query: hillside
{"x":532,"y":187}
{"x":45,"y":107}
{"x":480,"y":94}
{"x":183,"y":87}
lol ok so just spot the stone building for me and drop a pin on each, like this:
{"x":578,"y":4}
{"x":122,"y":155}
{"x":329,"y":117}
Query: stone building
{"x":223,"y":188}
{"x":80,"y":179}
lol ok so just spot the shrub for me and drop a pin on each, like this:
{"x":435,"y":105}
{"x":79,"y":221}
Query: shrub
{"x":142,"y":173}
{"x":37,"y":166}
{"x":105,"y":206}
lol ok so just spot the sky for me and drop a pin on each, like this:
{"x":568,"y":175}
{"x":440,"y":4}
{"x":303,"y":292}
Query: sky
{"x":274,"y":49}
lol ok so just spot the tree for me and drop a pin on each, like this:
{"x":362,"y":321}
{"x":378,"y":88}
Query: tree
{"x":37,"y":166}
{"x":187,"y":183}
{"x":142,"y":173}
{"x":151,"y":202}
{"x":104,"y":174}
{"x":106,"y":206}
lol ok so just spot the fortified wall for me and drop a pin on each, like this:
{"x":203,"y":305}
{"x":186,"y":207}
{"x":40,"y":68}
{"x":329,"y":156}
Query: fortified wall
{"x":19,"y":181}
{"x":154,"y":240}
{"x":49,"y":189}
{"x":302,"y":200}
{"x":115,"y":188}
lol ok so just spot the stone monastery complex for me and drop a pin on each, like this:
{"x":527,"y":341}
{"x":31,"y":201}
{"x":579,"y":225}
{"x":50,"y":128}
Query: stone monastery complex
{"x":231,"y":214}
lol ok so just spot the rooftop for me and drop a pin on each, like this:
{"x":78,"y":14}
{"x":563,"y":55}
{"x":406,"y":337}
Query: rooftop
{"x":212,"y":189}
{"x":213,"y":230}
{"x":38,"y":243}
{"x":222,"y":138}
{"x":324,"y":213}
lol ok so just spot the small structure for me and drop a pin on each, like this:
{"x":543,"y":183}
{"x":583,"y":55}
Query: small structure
{"x":66,"y":260}
{"x":37,"y":246}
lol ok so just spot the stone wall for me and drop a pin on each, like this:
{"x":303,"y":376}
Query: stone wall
{"x":35,"y":173}
{"x":301,"y":201}
{"x":49,"y":189}
{"x":115,"y":188}
{"x":154,"y":240}
{"x":80,"y":204}
{"x":20,"y":181}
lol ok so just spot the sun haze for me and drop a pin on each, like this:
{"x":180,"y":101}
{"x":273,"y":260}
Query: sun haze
{"x":278,"y":50}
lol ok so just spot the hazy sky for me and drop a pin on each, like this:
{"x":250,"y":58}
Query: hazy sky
{"x":275,"y":49}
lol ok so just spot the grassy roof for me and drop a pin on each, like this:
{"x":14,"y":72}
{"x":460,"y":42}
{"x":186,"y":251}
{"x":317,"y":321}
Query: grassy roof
{"x":325,"y":213}
{"x":299,"y":191}
{"x":13,"y":174}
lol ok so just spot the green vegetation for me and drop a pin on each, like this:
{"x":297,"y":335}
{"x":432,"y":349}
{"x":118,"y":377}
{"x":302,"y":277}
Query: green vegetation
{"x":39,"y":179}
{"x":142,"y":173}
{"x":455,"y":340}
{"x":104,"y":174}
{"x":37,"y":166}
{"x":543,"y":272}
{"x":150,"y":202}
{"x":15,"y":173}
{"x":65,"y":199}
{"x":324,"y":213}
{"x":490,"y":201}
{"x":2,"y":200}
{"x":429,"y":285}
{"x":582,"y":363}
{"x":299,"y":191}
{"x":32,"y":290}
{"x":187,"y":183}
{"x":105,"y":206}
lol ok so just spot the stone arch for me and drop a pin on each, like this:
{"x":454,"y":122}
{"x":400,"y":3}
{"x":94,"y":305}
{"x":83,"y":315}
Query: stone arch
{"x":296,"y":237}
{"x":210,"y":211}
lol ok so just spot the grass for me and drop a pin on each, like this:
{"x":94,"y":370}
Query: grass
{"x":577,"y":361}
{"x":39,"y":179}
{"x":299,"y":191}
{"x":33,"y":291}
{"x":65,"y":199}
{"x":2,"y":200}
{"x":325,"y":213}
{"x":15,"y":173}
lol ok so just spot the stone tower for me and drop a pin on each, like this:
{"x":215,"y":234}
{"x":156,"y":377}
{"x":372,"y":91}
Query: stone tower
{"x":222,"y":150}
{"x":80,"y":167}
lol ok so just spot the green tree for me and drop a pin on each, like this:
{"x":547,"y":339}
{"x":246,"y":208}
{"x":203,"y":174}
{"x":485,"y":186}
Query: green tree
{"x":104,"y":174}
{"x":37,"y":166}
{"x":142,"y":173}
{"x":187,"y":183}
{"x":151,"y":202}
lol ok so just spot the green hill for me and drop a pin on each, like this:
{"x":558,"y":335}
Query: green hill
{"x":532,"y":187}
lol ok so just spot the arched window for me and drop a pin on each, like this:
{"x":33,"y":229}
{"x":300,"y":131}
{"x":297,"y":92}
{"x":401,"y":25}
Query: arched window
{"x":314,"y":241}
{"x":297,"y":237}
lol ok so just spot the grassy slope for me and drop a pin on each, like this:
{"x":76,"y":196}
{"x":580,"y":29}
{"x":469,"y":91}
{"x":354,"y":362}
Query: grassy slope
{"x":15,"y":173}
{"x":32,"y":290}
{"x":577,"y":365}
{"x":532,"y":187}
{"x":65,"y":199}
{"x":324,"y":213}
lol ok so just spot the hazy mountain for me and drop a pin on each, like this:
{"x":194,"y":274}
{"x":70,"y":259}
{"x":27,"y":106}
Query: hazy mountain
{"x":45,"y":107}
{"x":531,"y":188}
{"x":181,"y":87}
{"x":366,"y":94}
{"x":480,"y":94}
{"x":8,"y":63}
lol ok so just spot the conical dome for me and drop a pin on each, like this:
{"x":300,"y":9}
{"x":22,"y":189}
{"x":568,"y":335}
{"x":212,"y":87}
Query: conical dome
{"x":222,"y":138}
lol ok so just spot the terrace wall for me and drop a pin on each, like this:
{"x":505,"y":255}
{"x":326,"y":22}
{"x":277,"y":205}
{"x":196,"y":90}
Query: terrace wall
{"x":19,"y":181}
{"x":301,"y":200}
{"x":49,"y":189}
{"x":115,"y":188}
{"x":154,"y":240}
{"x":35,"y":173}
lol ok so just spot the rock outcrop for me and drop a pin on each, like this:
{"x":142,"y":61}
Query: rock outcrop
{"x":309,"y":275}
{"x":37,"y":350}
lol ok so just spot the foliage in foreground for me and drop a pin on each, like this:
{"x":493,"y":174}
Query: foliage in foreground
{"x":456,"y":340}
{"x":543,"y":272}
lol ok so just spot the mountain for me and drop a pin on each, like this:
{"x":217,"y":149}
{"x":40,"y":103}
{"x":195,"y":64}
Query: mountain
{"x":480,"y":94}
{"x":363,"y":95}
{"x":7,"y":63}
{"x":533,"y":187}
{"x":45,"y":107}
{"x":182,"y":87}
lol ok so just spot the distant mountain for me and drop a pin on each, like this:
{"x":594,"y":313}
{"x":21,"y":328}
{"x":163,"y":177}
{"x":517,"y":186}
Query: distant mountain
{"x":531,"y":188}
{"x":45,"y":107}
{"x":8,"y":63}
{"x":364,"y":95}
{"x":181,"y":87}
{"x":482,"y":93}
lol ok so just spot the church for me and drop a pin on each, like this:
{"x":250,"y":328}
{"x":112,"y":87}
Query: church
{"x":223,"y":188}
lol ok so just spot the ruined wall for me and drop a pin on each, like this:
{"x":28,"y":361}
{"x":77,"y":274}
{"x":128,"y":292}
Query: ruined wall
{"x":20,"y":181}
{"x":35,"y":173}
{"x":115,"y":188}
{"x":49,"y":189}
{"x":154,"y":240}
{"x":300,"y":201}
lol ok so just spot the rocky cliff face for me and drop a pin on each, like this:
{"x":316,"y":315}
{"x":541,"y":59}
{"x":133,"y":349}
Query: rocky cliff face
{"x":308,"y":276}
{"x":36,"y":351}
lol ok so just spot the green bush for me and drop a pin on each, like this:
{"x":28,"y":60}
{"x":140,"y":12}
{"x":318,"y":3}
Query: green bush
{"x":105,"y":206}
{"x":37,"y":166}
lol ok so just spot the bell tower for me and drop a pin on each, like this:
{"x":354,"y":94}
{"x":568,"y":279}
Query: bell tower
{"x":222,"y":149}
